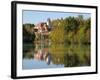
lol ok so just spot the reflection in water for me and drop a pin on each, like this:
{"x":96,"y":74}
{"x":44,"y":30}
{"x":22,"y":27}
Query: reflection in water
{"x":46,"y":55}
{"x":41,"y":52}
{"x":43,"y":55}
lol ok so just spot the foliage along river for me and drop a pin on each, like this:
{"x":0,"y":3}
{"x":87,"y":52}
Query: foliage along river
{"x":50,"y":55}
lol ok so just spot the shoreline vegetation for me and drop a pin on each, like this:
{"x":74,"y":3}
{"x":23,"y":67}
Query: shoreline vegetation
{"x":70,"y":30}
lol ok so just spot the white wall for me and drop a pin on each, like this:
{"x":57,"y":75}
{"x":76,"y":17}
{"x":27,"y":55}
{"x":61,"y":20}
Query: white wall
{"x":5,"y":40}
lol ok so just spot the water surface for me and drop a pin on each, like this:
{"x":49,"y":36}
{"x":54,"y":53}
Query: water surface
{"x":50,"y":55}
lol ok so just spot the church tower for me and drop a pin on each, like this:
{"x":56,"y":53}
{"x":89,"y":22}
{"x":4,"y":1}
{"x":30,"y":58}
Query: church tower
{"x":49,"y":24}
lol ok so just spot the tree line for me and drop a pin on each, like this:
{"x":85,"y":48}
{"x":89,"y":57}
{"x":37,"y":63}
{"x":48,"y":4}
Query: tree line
{"x":28,"y":35}
{"x":71,"y":30}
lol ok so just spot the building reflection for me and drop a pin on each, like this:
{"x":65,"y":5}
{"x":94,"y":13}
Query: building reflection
{"x":42,"y":53}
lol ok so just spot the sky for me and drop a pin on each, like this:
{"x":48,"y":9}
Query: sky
{"x":34,"y":17}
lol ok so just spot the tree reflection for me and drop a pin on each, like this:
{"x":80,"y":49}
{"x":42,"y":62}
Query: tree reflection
{"x":63,"y":54}
{"x":70,"y":55}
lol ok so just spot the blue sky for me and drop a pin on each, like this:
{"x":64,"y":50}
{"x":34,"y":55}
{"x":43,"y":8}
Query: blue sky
{"x":35,"y":17}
